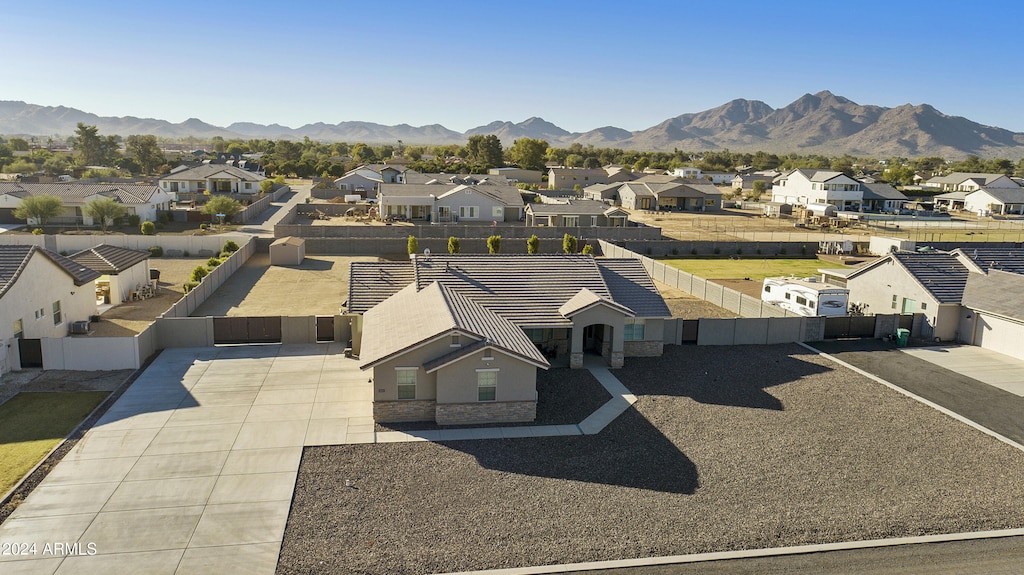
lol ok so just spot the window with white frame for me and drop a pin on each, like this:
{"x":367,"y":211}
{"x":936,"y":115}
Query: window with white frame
{"x":571,"y":221}
{"x":469,"y":211}
{"x":486,"y":384}
{"x":56,"y":313}
{"x":19,"y":329}
{"x":406,"y":377}
{"x":633,"y":329}
{"x":498,"y":212}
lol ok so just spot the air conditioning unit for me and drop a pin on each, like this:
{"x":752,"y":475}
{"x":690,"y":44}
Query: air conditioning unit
{"x":80,"y":326}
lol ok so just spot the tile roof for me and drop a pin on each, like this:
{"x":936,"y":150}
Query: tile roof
{"x":1004,"y":195}
{"x":985,"y":259}
{"x":433,"y":311}
{"x":996,"y":292}
{"x":881,"y":191}
{"x":505,"y":194}
{"x":76,"y":192}
{"x":581,"y":207}
{"x":108,"y":259}
{"x":204,"y":171}
{"x":585,"y":299}
{"x":631,"y":286}
{"x":14,"y":260}
{"x":938,"y":272}
{"x":960,"y":177}
{"x":370,"y":283}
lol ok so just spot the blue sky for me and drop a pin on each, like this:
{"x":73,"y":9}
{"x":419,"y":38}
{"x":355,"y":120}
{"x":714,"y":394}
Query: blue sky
{"x":580,"y":65}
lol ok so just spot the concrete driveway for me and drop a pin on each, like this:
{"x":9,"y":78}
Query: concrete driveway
{"x":192,"y":470}
{"x":995,"y":369}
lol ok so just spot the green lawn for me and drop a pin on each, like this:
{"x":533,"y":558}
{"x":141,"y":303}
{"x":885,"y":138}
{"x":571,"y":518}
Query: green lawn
{"x":754,"y":269}
{"x":31,"y":424}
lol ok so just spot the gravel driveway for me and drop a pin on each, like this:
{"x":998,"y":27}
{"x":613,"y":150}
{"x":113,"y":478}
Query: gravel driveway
{"x":727,"y":448}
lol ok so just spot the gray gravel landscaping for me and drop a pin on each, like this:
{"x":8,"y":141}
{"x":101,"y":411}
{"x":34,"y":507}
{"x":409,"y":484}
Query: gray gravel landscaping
{"x":727,"y":448}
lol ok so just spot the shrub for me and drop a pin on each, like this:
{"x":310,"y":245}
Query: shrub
{"x":225,"y":255}
{"x":37,"y":232}
{"x":188,"y":286}
{"x":213,"y":262}
{"x":569,"y":244}
{"x":156,"y":251}
{"x":588,"y":250}
{"x":163,"y":218}
{"x":413,"y":245}
{"x":230,"y":246}
{"x":148,"y":228}
{"x":494,"y":244}
{"x":533,"y":245}
{"x":199,"y":273}
{"x":453,"y":245}
{"x":133,"y":220}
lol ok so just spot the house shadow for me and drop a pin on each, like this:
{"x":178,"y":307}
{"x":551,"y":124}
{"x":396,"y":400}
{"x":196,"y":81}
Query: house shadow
{"x":734,"y":376}
{"x":314,"y":264}
{"x":630,"y":452}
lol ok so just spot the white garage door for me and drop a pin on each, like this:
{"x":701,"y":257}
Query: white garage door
{"x":999,"y":335}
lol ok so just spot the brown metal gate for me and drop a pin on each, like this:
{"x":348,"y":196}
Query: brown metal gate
{"x":247,"y":329}
{"x":690,"y":327}
{"x":325,"y":328}
{"x":849,"y":326}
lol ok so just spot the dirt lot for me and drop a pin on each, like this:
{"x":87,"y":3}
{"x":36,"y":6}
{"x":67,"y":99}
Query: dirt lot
{"x":132,"y":317}
{"x":686,"y":306}
{"x":727,"y":448}
{"x":317,"y":287}
{"x":60,"y":380}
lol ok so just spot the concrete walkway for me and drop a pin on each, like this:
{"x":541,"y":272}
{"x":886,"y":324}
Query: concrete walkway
{"x":192,"y":470}
{"x":995,"y":369}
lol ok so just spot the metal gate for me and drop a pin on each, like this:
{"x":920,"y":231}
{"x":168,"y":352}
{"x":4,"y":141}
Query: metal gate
{"x":690,"y":327}
{"x":325,"y":328}
{"x":849,"y":326}
{"x":906,"y":321}
{"x":31,"y":352}
{"x":247,"y":329}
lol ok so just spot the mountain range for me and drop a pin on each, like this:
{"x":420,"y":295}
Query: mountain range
{"x":814,"y":123}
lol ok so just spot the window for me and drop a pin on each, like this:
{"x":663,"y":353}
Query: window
{"x":456,"y":342}
{"x":593,"y":221}
{"x":788,"y":295}
{"x":767,"y":289}
{"x":893,"y":301}
{"x":56,"y":313}
{"x":40,"y":313}
{"x":406,"y":377}
{"x":248,"y":185}
{"x":633,"y":330}
{"x":924,"y":306}
{"x":469,"y":211}
{"x":19,"y":329}
{"x":537,"y":335}
{"x":486,"y":384}
{"x":497,"y":212}
{"x":570,"y":221}
{"x":801,"y":300}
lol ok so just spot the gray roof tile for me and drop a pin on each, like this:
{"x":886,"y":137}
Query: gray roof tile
{"x":108,"y":259}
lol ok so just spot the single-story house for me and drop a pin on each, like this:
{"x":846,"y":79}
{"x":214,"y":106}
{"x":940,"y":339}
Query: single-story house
{"x":289,"y":251}
{"x":719,"y":178}
{"x":970,"y":181}
{"x":746,"y":181}
{"x":608,"y":193}
{"x":668,"y":193}
{"x":952,"y":201}
{"x":881,"y":197}
{"x":219,"y":178}
{"x":929,"y":283}
{"x":141,"y":200}
{"x":1001,"y":201}
{"x":124,"y":272}
{"x":445,"y":202}
{"x":993,"y":312}
{"x":41,"y":294}
{"x":474,"y":328}
{"x":366,"y":179}
{"x":576,"y":213}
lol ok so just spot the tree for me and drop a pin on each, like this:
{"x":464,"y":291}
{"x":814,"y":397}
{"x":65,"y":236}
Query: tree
{"x":55,"y":165}
{"x":574,"y":161}
{"x":569,"y":244}
{"x":93,"y":149}
{"x":641,"y":164}
{"x":588,"y":250}
{"x":759,"y":187}
{"x":146,"y":152}
{"x":222,"y":205}
{"x":453,"y":245}
{"x":20,"y":166}
{"x":413,"y":245}
{"x":266,"y":186}
{"x":592,"y":163}
{"x":494,"y":244}
{"x":104,"y":211}
{"x":533,"y":244}
{"x":363,"y":154}
{"x":18,"y":144}
{"x":485,"y":150}
{"x":39,"y":208}
{"x":528,"y":153}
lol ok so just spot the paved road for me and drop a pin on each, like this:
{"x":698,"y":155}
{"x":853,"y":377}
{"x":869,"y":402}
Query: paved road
{"x":982,"y":557}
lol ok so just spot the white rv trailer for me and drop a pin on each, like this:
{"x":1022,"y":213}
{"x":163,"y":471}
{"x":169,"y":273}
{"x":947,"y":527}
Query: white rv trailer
{"x":806,"y":296}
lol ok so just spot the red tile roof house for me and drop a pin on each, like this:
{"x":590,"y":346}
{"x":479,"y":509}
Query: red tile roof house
{"x":458,"y":338}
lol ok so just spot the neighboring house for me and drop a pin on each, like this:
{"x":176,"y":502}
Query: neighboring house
{"x":984,"y":259}
{"x":141,"y":200}
{"x":514,"y":175}
{"x":970,"y":181}
{"x":993,"y":312}
{"x":951,"y":200}
{"x":881,"y":197}
{"x":686,"y":172}
{"x":670,"y":193}
{"x":439,"y":202}
{"x":123,"y":271}
{"x":219,"y":178}
{"x":929,"y":283}
{"x":719,"y":178}
{"x":746,"y":181}
{"x":805,"y":186}
{"x":576,"y":213}
{"x":41,"y":294}
{"x":608,"y":193}
{"x":619,"y":174}
{"x":569,"y":178}
{"x":990,"y":201}
{"x":458,"y":338}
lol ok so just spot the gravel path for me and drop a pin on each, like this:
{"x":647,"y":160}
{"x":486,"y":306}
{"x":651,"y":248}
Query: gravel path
{"x":727,"y":448}
{"x":564,"y":396}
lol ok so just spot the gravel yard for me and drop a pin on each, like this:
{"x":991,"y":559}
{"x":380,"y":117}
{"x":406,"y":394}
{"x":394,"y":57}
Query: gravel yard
{"x":686,"y":306}
{"x":727,"y":448}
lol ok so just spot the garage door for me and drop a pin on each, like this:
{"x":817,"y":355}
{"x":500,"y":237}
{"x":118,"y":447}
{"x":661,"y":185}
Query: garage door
{"x":999,"y":335}
{"x":7,"y":217}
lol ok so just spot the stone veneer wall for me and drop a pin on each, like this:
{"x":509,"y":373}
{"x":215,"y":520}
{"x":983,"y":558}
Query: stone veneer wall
{"x":486,"y":412}
{"x":406,"y":410}
{"x":643,"y":348}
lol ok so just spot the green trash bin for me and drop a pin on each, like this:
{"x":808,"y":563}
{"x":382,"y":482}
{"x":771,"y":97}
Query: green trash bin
{"x":902,"y":337}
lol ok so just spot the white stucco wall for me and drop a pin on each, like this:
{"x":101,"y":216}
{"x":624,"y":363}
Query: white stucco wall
{"x":39,"y":285}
